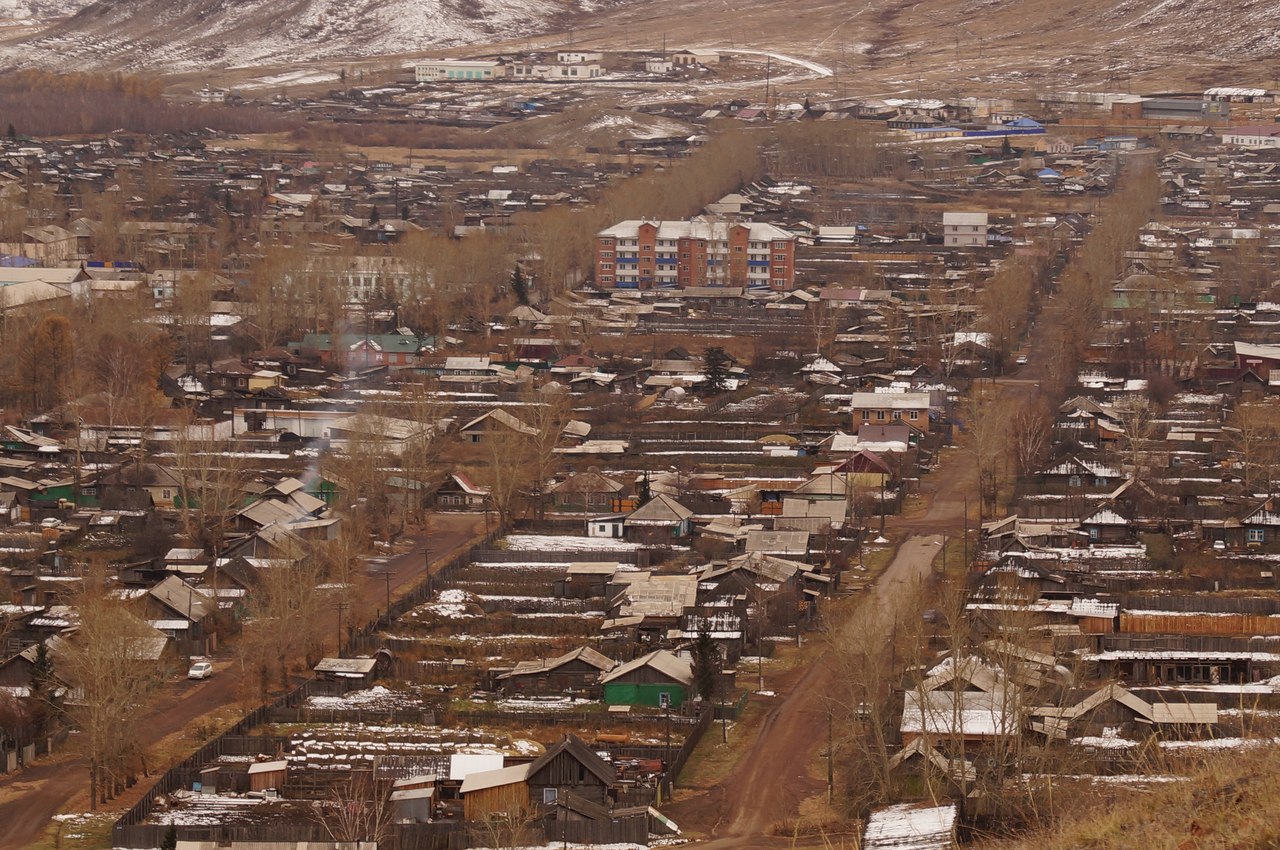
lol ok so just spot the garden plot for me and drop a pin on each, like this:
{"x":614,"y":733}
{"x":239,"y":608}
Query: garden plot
{"x":192,"y":809}
{"x":377,"y":698}
{"x":497,"y":612}
{"x":343,"y":747}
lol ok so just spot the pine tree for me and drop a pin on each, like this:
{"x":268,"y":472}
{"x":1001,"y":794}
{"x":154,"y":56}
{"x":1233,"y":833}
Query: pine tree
{"x":706,"y":664}
{"x":519,"y":287}
{"x":716,"y":362}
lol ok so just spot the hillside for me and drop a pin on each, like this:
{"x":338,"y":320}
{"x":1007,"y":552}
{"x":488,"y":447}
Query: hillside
{"x":875,"y":46}
{"x":185,"y":35}
{"x":31,"y":10}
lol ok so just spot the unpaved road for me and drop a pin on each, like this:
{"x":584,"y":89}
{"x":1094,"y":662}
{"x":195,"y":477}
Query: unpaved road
{"x":763,"y":792}
{"x":30,"y":798}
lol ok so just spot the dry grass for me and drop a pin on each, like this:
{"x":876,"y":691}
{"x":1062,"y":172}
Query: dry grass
{"x":1231,"y":800}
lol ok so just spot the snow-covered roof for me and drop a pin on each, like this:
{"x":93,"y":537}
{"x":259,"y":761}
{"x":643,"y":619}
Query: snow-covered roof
{"x":911,"y":826}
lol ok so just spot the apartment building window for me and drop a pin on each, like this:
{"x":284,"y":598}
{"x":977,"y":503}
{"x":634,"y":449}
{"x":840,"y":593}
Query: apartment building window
{"x":606,"y":266}
{"x":779,"y":258}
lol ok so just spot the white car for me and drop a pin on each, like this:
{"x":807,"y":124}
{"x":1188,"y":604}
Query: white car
{"x":200,"y":670}
{"x":1022,"y":360}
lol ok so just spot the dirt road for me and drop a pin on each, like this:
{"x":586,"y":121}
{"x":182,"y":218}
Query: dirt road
{"x":30,"y":798}
{"x":763,"y":792}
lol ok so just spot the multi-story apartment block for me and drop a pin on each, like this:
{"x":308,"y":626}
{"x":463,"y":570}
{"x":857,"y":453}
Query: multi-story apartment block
{"x":677,"y":254}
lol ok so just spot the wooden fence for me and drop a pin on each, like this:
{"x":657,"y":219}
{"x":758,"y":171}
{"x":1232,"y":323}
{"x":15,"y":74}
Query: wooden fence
{"x":130,"y":831}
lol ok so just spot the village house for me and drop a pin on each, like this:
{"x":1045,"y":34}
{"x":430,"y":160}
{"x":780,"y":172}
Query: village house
{"x":576,"y":673}
{"x":659,"y":680}
{"x":879,"y":408}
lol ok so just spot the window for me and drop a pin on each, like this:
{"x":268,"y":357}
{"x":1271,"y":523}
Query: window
{"x":880,"y":415}
{"x":166,"y":494}
{"x":549,"y":795}
{"x":1073,"y":481}
{"x":1094,"y":533}
{"x":866,"y":415}
{"x":913,"y":415}
{"x":606,"y":266}
{"x":779,"y":258}
{"x":1257,"y":535}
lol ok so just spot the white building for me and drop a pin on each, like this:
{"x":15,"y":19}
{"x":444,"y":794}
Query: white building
{"x":458,"y":69}
{"x":695,"y":57}
{"x":579,"y":57}
{"x":1256,"y":136}
{"x":525,"y":71}
{"x":964,"y":229}
{"x":655,"y":65}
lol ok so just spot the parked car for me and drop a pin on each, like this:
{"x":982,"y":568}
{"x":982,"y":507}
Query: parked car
{"x":200,"y":670}
{"x":1022,"y":360}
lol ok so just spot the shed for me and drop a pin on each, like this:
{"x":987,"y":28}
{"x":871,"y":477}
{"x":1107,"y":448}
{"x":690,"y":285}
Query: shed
{"x":330,"y":669}
{"x":412,"y":805}
{"x":267,"y":774}
{"x":491,"y":792}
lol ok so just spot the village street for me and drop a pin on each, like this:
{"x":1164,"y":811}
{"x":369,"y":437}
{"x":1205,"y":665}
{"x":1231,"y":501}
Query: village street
{"x":30,"y":798}
{"x":753,"y":805}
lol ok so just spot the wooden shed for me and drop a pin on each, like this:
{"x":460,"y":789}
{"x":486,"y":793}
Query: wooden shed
{"x":490,"y":792}
{"x":267,"y":774}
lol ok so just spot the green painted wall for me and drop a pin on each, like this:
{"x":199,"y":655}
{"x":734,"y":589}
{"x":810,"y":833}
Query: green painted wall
{"x":626,"y":693}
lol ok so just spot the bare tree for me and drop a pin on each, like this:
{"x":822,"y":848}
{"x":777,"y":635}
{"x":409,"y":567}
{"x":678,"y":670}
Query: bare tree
{"x":109,"y":661}
{"x":357,"y":810}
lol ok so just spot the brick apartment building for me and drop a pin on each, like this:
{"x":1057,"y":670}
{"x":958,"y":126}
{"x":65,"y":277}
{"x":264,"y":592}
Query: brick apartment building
{"x":677,"y":254}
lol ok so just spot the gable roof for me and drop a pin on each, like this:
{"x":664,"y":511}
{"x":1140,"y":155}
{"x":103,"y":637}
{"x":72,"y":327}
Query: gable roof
{"x":573,"y":746}
{"x":183,"y":599}
{"x":500,"y":417}
{"x":660,"y":510}
{"x":585,"y":654}
{"x":674,"y":668}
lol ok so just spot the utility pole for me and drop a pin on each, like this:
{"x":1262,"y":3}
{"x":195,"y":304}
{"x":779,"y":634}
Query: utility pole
{"x":386,"y":573}
{"x":340,"y":606}
{"x":831,"y":772}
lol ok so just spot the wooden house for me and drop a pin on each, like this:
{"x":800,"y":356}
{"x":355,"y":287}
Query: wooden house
{"x":659,"y":520}
{"x":459,"y":492}
{"x":577,"y":672}
{"x":570,"y":767}
{"x":659,"y":679}
{"x":588,"y":490}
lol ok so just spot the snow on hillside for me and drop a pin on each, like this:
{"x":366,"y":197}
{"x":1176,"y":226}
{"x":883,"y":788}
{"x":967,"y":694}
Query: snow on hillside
{"x":27,"y":10}
{"x":190,"y":34}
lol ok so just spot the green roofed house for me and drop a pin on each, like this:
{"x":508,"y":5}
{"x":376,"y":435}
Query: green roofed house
{"x":364,"y":351}
{"x":658,"y":679}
